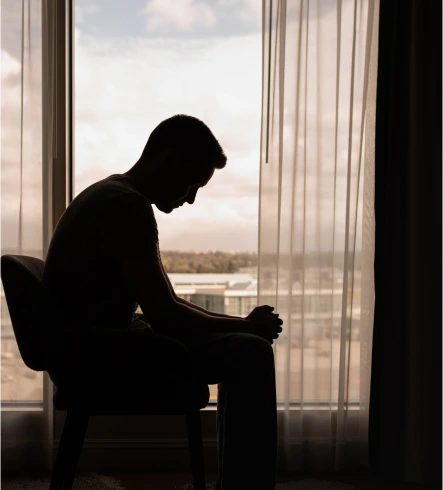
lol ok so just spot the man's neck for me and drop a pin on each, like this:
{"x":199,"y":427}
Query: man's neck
{"x":142,"y":179}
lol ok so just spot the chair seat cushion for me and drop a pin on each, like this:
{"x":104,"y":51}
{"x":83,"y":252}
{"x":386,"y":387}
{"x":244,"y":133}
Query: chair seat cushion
{"x":130,"y":370}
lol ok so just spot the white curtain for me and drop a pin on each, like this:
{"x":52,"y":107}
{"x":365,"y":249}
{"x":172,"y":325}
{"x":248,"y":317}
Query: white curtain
{"x":27,"y":413}
{"x":316,"y":223}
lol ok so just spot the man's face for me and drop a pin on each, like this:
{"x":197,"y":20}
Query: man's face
{"x":182,"y":186}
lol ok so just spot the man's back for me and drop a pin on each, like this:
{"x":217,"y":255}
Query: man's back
{"x":108,"y":221}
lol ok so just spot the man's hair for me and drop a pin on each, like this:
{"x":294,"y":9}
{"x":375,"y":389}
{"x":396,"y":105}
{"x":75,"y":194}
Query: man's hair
{"x":191,"y":138}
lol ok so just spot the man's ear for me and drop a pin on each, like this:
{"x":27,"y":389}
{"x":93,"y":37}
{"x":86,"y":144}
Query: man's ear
{"x":170,"y":158}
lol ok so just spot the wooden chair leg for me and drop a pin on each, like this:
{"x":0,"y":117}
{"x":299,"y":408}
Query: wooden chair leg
{"x":193,"y":423}
{"x":71,"y":442}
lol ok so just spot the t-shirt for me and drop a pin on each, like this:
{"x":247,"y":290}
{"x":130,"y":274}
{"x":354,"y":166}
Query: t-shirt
{"x":108,"y":221}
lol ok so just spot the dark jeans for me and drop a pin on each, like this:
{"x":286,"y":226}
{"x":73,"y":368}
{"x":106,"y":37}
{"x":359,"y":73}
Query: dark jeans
{"x":243,"y":367}
{"x":241,"y":364}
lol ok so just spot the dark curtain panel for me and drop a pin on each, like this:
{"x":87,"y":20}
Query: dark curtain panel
{"x":405,"y":425}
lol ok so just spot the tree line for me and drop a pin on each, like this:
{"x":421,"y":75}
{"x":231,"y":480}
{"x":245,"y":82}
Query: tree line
{"x":229,"y":262}
{"x":207,"y":262}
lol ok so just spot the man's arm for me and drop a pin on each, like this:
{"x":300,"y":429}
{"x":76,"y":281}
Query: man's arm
{"x":192,"y":305}
{"x":188,"y":303}
{"x":166,"y":315}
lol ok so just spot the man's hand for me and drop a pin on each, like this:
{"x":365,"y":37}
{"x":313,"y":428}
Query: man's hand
{"x":264,"y":323}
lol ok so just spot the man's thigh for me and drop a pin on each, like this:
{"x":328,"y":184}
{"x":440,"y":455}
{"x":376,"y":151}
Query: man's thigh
{"x":134,"y":353}
{"x":223,"y":357}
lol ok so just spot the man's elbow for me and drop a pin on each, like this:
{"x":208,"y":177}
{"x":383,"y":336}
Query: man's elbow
{"x":163,"y":319}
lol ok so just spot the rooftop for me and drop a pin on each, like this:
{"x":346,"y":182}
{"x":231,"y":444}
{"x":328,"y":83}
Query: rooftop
{"x":207,"y":279}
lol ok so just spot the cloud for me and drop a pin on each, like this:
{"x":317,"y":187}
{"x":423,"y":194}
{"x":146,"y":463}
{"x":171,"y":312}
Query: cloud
{"x":126,"y":86}
{"x":10,"y":67}
{"x":246,"y":10}
{"x":251,"y":10}
{"x":82,"y":11}
{"x":124,"y":92}
{"x":21,"y":141}
{"x":183,"y":15}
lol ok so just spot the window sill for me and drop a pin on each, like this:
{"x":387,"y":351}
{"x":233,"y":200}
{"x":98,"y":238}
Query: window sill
{"x":22,"y":406}
{"x":37,"y":406}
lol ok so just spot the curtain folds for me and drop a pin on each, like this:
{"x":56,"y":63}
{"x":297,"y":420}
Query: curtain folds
{"x":27,"y":416}
{"x":316,"y":223}
{"x":406,"y":405}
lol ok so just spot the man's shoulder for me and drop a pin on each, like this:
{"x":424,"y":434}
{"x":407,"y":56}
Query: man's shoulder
{"x":118,"y":199}
{"x":114,"y":186}
{"x":111,"y":191}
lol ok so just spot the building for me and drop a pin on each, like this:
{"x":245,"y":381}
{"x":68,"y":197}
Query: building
{"x":316,"y":308}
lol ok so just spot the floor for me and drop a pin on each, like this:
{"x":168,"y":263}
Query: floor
{"x":176,"y":481}
{"x":142,"y":481}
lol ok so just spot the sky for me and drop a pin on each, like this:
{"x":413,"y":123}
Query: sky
{"x":139,"y":62}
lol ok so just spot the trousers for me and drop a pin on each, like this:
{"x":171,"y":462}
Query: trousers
{"x":241,"y":364}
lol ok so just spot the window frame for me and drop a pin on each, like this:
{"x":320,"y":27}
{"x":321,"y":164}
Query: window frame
{"x":28,"y":427}
{"x":108,"y":437}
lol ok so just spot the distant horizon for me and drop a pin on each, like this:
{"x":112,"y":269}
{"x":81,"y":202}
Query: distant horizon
{"x":196,"y":251}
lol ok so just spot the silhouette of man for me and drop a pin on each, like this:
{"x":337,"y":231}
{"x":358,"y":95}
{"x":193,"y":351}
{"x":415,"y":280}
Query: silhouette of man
{"x":103,"y":261}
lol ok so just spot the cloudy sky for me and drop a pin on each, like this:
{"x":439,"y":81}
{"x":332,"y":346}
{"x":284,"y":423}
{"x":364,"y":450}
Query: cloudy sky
{"x":139,"y":62}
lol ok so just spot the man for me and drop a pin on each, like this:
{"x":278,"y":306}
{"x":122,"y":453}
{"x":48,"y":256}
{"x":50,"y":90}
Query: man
{"x":103,"y":261}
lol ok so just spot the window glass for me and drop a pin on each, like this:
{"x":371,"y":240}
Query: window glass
{"x":21,"y":174}
{"x":139,"y":62}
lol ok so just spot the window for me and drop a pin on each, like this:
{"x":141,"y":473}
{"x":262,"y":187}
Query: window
{"x":22,"y":199}
{"x":138,"y":63}
{"x":324,"y":303}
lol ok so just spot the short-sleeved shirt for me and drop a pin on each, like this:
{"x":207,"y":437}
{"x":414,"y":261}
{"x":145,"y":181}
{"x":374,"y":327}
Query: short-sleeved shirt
{"x":108,"y":221}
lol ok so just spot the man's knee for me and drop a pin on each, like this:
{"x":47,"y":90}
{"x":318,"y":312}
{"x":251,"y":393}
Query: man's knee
{"x":257,"y":355}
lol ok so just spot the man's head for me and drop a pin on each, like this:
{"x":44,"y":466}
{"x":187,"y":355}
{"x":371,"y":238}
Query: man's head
{"x":180,"y":156}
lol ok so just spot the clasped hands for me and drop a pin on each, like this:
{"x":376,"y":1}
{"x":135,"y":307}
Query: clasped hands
{"x":264,"y":323}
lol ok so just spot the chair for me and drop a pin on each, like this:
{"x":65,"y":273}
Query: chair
{"x":34,"y":315}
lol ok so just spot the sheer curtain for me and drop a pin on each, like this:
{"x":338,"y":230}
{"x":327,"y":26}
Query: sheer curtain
{"x":316,"y":223}
{"x":26,"y":139}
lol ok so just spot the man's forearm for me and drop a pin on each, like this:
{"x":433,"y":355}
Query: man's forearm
{"x":188,"y":303}
{"x":211,"y":313}
{"x":183,"y":319}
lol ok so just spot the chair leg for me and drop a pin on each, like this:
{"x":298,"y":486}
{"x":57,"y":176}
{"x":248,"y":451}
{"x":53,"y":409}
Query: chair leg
{"x":71,"y":442}
{"x":193,"y":423}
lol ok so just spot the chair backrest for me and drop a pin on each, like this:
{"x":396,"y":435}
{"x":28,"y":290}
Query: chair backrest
{"x":29,"y":307}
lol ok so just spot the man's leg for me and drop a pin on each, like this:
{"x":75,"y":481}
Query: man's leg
{"x":243,"y":367}
{"x":124,"y":362}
